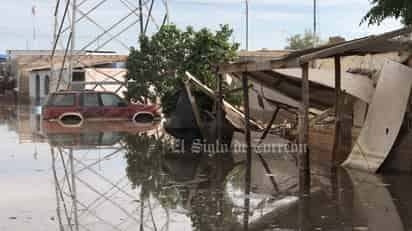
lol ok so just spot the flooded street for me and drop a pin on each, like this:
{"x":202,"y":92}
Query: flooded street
{"x":114,"y":176}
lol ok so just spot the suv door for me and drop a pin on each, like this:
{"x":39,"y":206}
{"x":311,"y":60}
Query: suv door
{"x":91,"y":105}
{"x":114,"y":107}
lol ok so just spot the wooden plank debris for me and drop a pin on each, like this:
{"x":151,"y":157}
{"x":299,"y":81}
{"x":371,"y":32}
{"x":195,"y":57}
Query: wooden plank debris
{"x":235,"y":116}
{"x":363,"y":46}
{"x":195,"y":111}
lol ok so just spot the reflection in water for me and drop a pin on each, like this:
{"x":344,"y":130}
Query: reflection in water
{"x":74,"y":211}
{"x":122,"y":177}
{"x":189,"y":184}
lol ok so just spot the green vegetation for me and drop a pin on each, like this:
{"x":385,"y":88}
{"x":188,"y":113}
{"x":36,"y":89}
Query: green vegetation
{"x":383,"y":9}
{"x":299,"y":41}
{"x":158,"y":67}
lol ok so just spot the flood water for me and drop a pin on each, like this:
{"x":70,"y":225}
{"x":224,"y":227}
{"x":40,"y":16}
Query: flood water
{"x":112,"y":176}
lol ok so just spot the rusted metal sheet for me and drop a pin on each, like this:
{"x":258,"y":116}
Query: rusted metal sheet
{"x":354,"y":84}
{"x":367,"y":45}
{"x":384,"y":119}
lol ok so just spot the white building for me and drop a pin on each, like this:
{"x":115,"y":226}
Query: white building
{"x":95,"y":78}
{"x":32,"y":63}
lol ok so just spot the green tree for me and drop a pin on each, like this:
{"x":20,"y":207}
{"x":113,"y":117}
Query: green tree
{"x":299,"y":41}
{"x":144,"y":155}
{"x":158,"y":68}
{"x":383,"y":9}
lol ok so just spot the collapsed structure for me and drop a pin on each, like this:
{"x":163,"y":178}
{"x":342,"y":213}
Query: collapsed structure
{"x":352,"y":115}
{"x":289,"y":82}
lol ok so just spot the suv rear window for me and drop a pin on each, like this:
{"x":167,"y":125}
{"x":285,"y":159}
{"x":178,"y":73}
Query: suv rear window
{"x":61,"y":100}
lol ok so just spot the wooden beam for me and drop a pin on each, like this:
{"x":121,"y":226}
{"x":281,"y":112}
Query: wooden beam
{"x":338,"y":111}
{"x":304,"y":160}
{"x":229,"y":109}
{"x":295,"y":59}
{"x":252,"y":66}
{"x":340,"y":49}
{"x":205,"y":89}
{"x":236,"y":90}
{"x":269,"y":125}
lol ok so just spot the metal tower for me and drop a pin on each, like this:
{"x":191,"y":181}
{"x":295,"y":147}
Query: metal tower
{"x":82,"y":27}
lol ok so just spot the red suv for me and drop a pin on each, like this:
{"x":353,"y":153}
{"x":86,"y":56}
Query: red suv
{"x":74,"y":107}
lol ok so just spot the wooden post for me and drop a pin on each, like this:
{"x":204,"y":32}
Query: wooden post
{"x":247,"y":131}
{"x":304,"y":160}
{"x":219,"y":108}
{"x":338,"y":112}
{"x":248,"y":174}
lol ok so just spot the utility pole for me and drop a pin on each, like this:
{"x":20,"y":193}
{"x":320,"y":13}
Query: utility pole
{"x":141,"y":17}
{"x":314,"y":22}
{"x":247,"y":24}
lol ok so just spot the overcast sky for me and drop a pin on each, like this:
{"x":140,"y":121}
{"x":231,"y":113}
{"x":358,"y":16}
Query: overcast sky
{"x":271,"y":21}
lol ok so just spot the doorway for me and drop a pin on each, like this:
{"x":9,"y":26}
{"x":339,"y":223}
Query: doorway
{"x":37,"y":90}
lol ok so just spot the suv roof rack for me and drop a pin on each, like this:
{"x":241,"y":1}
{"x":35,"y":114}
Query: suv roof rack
{"x":63,"y":90}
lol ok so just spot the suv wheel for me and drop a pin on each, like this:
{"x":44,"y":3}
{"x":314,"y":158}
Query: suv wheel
{"x":71,"y":119}
{"x":143,"y":118}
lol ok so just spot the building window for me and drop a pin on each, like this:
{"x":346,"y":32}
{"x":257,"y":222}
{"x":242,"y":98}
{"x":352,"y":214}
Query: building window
{"x":78,"y":76}
{"x":46,"y":85}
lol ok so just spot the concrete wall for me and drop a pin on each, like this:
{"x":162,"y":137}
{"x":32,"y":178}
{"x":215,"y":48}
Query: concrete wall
{"x":42,"y":75}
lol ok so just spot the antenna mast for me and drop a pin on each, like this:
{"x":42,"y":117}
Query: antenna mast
{"x":247,"y":24}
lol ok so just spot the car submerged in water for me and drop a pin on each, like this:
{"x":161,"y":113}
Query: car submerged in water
{"x":75,"y":107}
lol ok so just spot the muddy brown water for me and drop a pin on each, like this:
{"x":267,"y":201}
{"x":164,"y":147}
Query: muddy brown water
{"x":116,"y":176}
